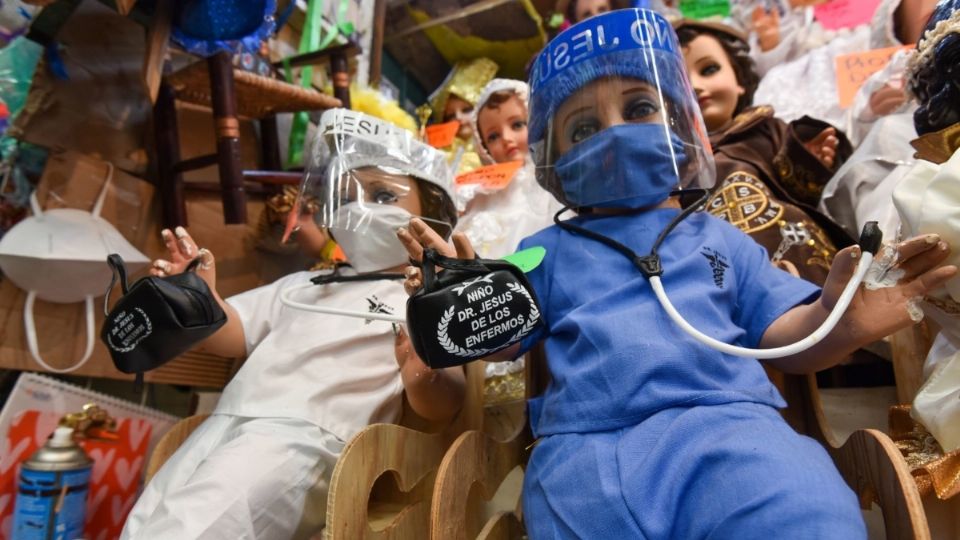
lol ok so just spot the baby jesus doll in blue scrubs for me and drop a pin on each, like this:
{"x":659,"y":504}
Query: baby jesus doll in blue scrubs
{"x":643,"y":431}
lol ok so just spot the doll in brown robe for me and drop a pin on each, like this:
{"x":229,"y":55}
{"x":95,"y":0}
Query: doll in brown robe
{"x":770,"y":174}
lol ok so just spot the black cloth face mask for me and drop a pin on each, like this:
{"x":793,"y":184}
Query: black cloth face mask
{"x":469,"y":310}
{"x":158,"y":318}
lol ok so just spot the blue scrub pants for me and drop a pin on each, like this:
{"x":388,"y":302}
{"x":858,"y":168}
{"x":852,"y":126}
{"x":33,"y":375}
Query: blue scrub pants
{"x":733,"y":471}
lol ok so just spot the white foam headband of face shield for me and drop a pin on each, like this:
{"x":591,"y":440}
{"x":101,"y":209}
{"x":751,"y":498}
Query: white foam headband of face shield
{"x":356,"y":140}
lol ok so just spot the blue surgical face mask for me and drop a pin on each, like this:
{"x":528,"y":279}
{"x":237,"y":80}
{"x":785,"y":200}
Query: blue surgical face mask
{"x":628,"y":165}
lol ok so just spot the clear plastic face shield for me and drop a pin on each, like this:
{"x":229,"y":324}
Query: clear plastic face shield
{"x":614,"y":124}
{"x":366,"y":178}
{"x":614,"y":121}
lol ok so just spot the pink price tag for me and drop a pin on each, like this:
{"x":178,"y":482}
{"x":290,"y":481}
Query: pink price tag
{"x":838,"y":14}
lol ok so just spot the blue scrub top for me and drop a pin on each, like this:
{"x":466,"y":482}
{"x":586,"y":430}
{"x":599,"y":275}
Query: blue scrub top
{"x":614,"y":355}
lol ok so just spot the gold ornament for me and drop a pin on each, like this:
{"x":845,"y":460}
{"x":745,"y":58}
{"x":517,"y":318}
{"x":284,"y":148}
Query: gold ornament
{"x":466,"y":81}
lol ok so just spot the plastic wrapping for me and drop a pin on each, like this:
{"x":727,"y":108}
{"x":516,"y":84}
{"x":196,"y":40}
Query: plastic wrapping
{"x":15,"y":19}
{"x":613,"y":118}
{"x":18,"y":61}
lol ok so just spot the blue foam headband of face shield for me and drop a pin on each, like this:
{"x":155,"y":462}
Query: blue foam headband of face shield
{"x":630,"y":43}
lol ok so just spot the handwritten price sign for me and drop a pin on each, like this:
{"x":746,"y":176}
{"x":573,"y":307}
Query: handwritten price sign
{"x":442,"y":135}
{"x":494,"y":177}
{"x":855,"y":68}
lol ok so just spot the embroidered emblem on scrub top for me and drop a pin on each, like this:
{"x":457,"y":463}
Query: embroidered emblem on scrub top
{"x":745,"y":202}
{"x":377,"y":306}
{"x":718,"y":263}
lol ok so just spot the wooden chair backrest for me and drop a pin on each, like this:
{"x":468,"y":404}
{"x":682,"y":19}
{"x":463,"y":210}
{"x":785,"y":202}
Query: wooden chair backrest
{"x":474,"y":468}
{"x":382,"y":484}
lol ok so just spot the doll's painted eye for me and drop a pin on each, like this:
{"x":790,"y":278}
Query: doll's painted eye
{"x":582,"y":129}
{"x":709,"y":70}
{"x":518,"y":125}
{"x":384,"y":196}
{"x":492,"y":137}
{"x":639,"y":110}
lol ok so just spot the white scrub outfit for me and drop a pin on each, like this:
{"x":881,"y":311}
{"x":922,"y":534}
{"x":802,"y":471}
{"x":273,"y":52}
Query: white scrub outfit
{"x":259,"y":467}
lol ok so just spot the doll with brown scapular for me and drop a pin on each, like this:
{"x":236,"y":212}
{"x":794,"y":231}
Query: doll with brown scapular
{"x":770,"y":173}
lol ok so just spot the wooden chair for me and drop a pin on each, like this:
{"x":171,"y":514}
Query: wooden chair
{"x":232,"y":94}
{"x":169,"y":443}
{"x":476,"y":467}
{"x":383,"y":482}
{"x":869,"y":460}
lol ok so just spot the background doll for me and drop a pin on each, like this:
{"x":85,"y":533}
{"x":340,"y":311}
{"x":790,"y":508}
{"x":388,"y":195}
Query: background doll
{"x":769,"y":173}
{"x":495,"y":219}
{"x":807,"y":84}
{"x":456,"y":98}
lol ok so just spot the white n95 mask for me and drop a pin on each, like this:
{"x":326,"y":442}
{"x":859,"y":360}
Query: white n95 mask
{"x":368,"y":235}
{"x":60,"y":256}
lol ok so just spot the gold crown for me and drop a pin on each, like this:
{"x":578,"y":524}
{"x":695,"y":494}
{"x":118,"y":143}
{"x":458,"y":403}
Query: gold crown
{"x":466,"y":80}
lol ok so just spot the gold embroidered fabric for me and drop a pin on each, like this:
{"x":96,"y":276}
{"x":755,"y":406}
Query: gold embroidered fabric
{"x":939,"y":146}
{"x":469,"y":158}
{"x":933,"y":470}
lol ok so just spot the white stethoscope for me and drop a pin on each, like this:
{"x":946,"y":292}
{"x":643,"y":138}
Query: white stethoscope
{"x":650,"y":266}
{"x":286,"y":298}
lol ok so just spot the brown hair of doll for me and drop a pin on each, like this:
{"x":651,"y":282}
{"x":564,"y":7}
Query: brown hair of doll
{"x":737,"y":50}
{"x":570,"y":13}
{"x":495,"y":100}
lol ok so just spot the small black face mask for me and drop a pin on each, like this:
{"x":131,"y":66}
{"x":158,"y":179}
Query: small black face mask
{"x":158,"y":318}
{"x":471,"y":309}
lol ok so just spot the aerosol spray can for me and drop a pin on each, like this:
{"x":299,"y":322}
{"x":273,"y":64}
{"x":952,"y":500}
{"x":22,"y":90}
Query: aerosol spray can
{"x":52,"y":492}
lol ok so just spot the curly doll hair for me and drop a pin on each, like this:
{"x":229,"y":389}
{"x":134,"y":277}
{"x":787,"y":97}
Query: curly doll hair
{"x":935,"y":81}
{"x":738,"y":52}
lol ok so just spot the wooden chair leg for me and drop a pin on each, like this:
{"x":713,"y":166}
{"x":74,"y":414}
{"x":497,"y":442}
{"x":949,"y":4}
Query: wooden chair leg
{"x":270,"y":144}
{"x":170,"y":182}
{"x":340,"y":71}
{"x":228,"y":138}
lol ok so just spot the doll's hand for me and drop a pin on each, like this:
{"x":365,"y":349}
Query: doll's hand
{"x":880,"y":312}
{"x":767,"y":26}
{"x":310,"y":237}
{"x":407,"y":358}
{"x":887,"y":99}
{"x":419,"y":236}
{"x":824,"y":147}
{"x":182,"y":250}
